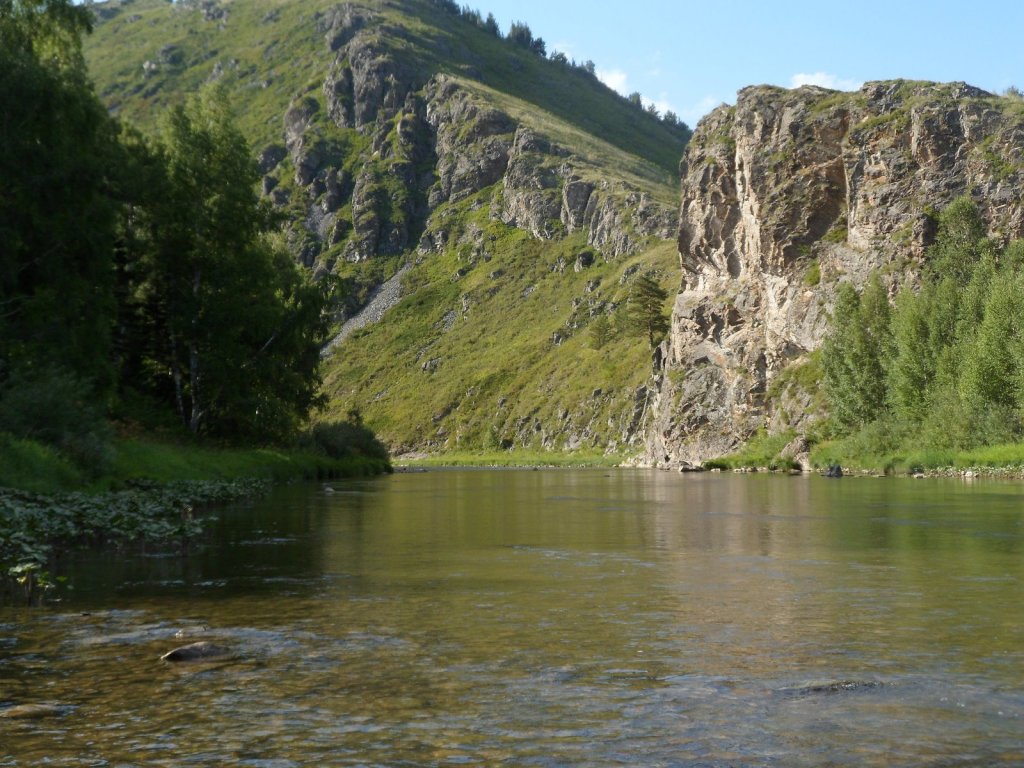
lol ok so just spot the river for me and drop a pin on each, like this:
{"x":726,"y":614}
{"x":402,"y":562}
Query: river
{"x":547,"y":618}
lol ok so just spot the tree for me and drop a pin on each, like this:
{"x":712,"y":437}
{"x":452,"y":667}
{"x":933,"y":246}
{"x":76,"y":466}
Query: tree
{"x":519,"y":34}
{"x":57,"y":156}
{"x":852,"y":361}
{"x":960,"y":242}
{"x":912,"y":369}
{"x":645,"y":310}
{"x":636,"y":99}
{"x":491,"y":25}
{"x":238,"y":327}
{"x":992,"y":371}
{"x":600,"y":331}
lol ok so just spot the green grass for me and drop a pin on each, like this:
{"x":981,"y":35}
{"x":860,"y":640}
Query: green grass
{"x":498,"y":371}
{"x":516,"y":458}
{"x":34,"y":467}
{"x":762,"y":450}
{"x":165,"y":461}
{"x":270,"y":63}
{"x":1009,"y":457}
{"x":29,"y":466}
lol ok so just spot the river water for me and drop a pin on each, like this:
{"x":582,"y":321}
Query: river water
{"x":547,"y":618}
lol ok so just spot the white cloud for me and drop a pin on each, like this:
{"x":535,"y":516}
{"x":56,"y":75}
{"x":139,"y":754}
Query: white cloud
{"x":567,"y":48}
{"x":615,"y":79}
{"x":690,"y":115}
{"x":825,"y":80}
{"x":661,"y":104}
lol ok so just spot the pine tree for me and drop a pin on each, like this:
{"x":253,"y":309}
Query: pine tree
{"x":645,"y":310}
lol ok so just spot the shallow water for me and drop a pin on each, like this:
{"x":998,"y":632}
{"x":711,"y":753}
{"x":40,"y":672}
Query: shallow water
{"x":547,"y":618}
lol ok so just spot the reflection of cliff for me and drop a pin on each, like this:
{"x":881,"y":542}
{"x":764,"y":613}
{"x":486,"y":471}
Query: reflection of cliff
{"x":784,"y":196}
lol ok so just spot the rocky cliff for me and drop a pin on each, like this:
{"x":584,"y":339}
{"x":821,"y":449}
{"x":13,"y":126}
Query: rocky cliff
{"x":434,"y":139}
{"x":783,"y":196}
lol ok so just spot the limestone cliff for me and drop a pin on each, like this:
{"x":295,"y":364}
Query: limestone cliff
{"x":783,"y":196}
{"x":433,"y":139}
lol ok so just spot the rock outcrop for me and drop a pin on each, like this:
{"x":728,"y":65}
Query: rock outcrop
{"x":433,"y":140}
{"x":790,"y":192}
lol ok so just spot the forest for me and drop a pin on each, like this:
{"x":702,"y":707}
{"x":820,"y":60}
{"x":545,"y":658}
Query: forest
{"x":142,"y":280}
{"x":941,"y":367}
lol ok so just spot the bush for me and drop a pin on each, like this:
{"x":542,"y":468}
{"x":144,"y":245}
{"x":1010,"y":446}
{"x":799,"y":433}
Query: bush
{"x":57,"y":408}
{"x":339,"y":439}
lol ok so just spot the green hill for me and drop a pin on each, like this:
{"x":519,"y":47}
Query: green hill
{"x":504,"y":201}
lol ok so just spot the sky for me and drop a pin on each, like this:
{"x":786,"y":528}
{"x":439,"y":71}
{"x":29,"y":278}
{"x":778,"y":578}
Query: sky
{"x":692,"y":56}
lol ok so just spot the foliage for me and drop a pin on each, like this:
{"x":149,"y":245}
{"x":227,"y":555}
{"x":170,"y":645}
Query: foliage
{"x":351,"y":437}
{"x":55,"y":407}
{"x":944,"y":366}
{"x":56,"y":217}
{"x":600,"y":331}
{"x":36,"y":527}
{"x":761,"y":451}
{"x":645,"y":310}
{"x":230,"y":322}
{"x":131,"y":266}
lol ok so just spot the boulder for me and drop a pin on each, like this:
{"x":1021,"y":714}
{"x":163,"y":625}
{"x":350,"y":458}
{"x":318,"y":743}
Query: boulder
{"x":201,"y":651}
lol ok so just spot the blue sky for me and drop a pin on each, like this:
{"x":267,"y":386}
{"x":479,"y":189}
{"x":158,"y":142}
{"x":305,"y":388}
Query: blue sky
{"x":691,"y":56}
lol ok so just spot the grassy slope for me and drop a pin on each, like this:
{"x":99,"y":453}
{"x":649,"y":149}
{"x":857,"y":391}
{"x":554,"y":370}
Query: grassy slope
{"x":502,"y":346}
{"x":501,"y":349}
{"x":280,"y":59}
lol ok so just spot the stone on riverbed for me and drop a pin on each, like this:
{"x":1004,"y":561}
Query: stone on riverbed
{"x":33,"y":711}
{"x":201,"y":651}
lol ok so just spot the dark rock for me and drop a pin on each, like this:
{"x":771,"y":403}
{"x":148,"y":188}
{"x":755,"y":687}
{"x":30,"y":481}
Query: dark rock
{"x":271,"y":157}
{"x":201,"y":651}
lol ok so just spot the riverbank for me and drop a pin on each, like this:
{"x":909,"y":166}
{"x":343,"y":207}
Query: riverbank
{"x":513,"y":459}
{"x":30,"y":466}
{"x":995,"y":461}
{"x":149,"y":496}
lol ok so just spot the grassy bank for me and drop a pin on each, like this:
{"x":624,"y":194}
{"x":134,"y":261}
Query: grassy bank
{"x":760,"y":451}
{"x":30,"y":466}
{"x":146,"y":497}
{"x":1001,"y":460}
{"x":514,"y":458}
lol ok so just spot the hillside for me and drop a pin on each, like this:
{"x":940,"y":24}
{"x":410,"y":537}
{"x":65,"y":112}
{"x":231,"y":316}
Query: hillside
{"x":505,"y":200}
{"x":785,"y":197}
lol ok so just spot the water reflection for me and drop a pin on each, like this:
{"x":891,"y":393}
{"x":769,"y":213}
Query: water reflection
{"x":549,"y":618}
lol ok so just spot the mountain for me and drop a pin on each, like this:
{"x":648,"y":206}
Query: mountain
{"x":485,"y":202}
{"x":786,"y":195}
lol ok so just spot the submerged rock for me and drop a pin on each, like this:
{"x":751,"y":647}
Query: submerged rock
{"x":33,"y":711}
{"x":841,"y":686}
{"x":201,"y":651}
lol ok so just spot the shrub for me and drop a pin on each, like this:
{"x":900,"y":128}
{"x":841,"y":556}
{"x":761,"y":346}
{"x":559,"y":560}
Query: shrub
{"x":57,"y":408}
{"x":351,"y":437}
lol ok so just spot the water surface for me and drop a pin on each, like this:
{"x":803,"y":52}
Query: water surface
{"x":548,"y":618}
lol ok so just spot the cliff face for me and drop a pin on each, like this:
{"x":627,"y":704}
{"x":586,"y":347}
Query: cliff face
{"x":433,"y":139}
{"x":783,"y":196}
